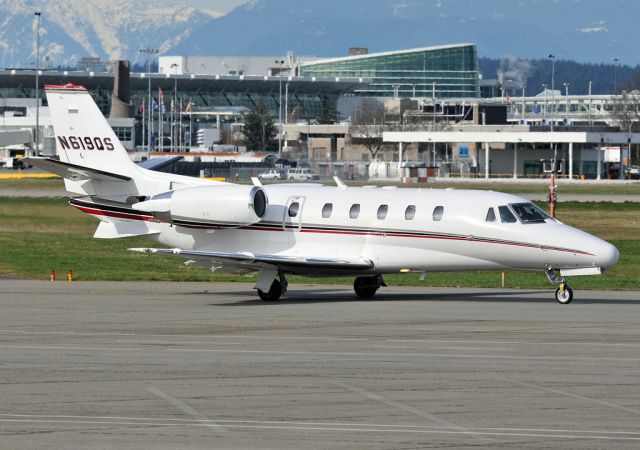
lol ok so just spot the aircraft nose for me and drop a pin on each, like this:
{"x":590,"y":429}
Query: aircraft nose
{"x":607,"y":255}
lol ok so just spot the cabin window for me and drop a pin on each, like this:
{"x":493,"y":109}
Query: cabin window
{"x":438,"y":212}
{"x":506,"y":216}
{"x":293,"y":209}
{"x":354,"y":212}
{"x":382,"y":212}
{"x":491,"y":215}
{"x":327,"y":209}
{"x":410,"y":212}
{"x":529,"y":213}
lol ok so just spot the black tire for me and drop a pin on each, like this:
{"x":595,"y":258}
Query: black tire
{"x":275,"y":291}
{"x":564,"y":296}
{"x":366,"y":287}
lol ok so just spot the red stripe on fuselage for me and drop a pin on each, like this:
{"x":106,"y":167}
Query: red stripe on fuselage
{"x":119,"y":215}
{"x":98,"y":212}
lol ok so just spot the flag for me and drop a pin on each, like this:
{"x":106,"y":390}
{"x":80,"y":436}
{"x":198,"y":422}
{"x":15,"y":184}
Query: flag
{"x":141,"y":107}
{"x":173,"y":106}
{"x":154,"y":105}
{"x":189,"y":105}
{"x":163,"y":106}
{"x":161,"y":94}
{"x":180,"y":105}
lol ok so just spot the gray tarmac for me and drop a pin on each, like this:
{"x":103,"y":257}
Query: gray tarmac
{"x":193,"y":365}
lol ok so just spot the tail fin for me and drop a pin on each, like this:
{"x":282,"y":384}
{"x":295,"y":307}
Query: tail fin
{"x":83,"y":136}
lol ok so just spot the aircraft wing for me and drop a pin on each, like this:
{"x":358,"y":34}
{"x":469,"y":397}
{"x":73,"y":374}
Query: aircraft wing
{"x":251,"y":263}
{"x":73,"y":171}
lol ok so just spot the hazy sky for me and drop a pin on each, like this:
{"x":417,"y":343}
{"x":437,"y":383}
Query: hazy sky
{"x":218,"y":5}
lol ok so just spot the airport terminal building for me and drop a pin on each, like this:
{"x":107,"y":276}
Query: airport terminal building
{"x":448,"y":71}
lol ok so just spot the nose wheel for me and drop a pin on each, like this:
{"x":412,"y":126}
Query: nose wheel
{"x":564,"y":294}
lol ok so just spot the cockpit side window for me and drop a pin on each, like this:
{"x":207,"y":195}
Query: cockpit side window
{"x":491,"y":215}
{"x":506,"y":216}
{"x":529,"y":213}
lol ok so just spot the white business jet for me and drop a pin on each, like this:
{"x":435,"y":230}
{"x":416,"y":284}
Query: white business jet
{"x":306,"y":229}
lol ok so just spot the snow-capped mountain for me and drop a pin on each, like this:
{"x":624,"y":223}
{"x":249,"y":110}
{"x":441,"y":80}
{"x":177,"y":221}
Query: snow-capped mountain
{"x":581,"y":30}
{"x":110,"y":29}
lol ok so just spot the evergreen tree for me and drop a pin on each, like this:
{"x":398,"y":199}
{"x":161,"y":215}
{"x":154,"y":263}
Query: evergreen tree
{"x":328,"y":114}
{"x":259,"y":130}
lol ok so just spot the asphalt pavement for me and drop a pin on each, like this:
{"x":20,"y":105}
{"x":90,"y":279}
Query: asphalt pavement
{"x":197,"y":365}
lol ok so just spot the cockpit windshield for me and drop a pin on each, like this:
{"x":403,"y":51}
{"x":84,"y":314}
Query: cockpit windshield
{"x":529,"y":213}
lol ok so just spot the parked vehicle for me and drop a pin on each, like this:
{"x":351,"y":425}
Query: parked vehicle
{"x":304,"y":174}
{"x":272,"y":174}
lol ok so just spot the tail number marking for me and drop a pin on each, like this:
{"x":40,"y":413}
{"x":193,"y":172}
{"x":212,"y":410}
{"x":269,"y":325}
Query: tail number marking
{"x":85,"y":143}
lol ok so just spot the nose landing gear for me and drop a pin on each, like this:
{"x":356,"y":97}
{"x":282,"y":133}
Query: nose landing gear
{"x":564,"y":294}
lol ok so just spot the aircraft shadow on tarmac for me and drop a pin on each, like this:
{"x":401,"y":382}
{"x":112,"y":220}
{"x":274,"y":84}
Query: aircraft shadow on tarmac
{"x":332,"y":295}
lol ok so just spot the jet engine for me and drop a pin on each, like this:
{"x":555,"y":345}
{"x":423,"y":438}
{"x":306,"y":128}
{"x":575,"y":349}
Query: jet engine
{"x":223,"y":206}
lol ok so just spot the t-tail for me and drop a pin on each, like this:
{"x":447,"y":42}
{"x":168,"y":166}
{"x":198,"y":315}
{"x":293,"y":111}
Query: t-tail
{"x":100,"y":177}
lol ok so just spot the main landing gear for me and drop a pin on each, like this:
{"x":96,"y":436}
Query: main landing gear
{"x":277,"y":289}
{"x":366,"y":287}
{"x":564,"y":294}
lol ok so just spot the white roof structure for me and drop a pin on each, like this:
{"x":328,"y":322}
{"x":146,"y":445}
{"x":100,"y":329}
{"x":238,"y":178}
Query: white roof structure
{"x":513,"y":137}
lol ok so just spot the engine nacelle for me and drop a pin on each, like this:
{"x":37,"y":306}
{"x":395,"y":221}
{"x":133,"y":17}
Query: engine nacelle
{"x":224,"y":206}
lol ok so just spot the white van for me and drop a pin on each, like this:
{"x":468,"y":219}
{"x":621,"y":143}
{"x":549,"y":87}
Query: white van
{"x":305,"y":174}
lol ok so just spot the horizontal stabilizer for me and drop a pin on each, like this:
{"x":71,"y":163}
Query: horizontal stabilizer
{"x":158,"y":163}
{"x":73,"y":171}
{"x":290,"y":264}
{"x":111,"y":230}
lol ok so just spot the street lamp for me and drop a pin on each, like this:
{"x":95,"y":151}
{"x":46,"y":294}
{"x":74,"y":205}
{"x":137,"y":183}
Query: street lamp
{"x":149,"y":52}
{"x":566,"y":92}
{"x":615,"y":60}
{"x":37,"y":137}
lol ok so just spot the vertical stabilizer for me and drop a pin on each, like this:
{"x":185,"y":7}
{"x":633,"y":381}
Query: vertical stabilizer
{"x":83,"y":135}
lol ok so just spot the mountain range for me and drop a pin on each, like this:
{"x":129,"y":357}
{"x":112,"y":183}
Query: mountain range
{"x":580,"y":30}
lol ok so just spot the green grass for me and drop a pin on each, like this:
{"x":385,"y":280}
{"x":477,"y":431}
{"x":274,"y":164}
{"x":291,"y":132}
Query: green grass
{"x":33,"y":184}
{"x":629,"y":188}
{"x":37,"y":235}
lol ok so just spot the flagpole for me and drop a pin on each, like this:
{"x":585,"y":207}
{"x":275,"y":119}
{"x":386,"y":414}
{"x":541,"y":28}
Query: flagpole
{"x":160,"y":124}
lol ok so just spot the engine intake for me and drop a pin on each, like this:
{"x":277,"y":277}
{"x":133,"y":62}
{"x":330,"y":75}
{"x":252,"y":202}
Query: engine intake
{"x":225,"y":206}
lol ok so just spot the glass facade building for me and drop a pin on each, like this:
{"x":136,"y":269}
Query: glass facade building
{"x":451,"y":70}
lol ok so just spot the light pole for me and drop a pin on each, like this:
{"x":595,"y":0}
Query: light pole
{"x":37,"y":136}
{"x":149,"y":52}
{"x":566,"y":93}
{"x":553,"y":86}
{"x":590,"y":82}
{"x":280,"y":62}
{"x":615,"y":60}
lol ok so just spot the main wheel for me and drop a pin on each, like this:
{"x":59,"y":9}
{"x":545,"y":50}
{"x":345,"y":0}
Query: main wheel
{"x":564,"y":295}
{"x":366,"y":287}
{"x":275,"y":291}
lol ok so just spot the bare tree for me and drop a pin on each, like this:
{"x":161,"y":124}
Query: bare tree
{"x":367,"y":125}
{"x":626,"y":111}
